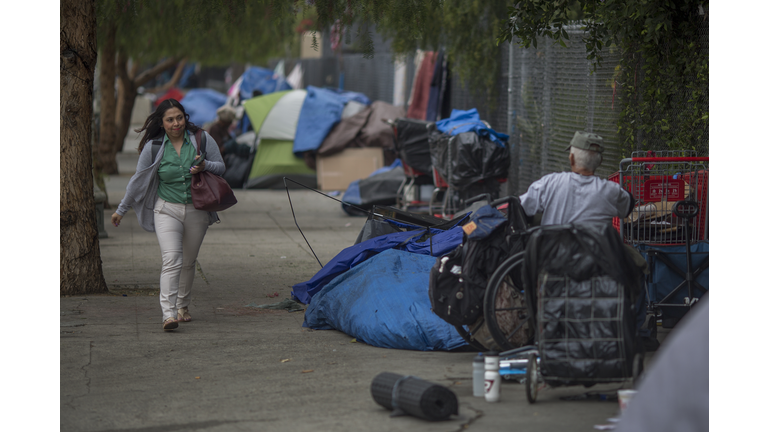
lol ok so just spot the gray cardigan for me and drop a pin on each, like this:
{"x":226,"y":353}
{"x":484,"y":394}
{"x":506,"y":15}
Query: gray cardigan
{"x":141,"y":192}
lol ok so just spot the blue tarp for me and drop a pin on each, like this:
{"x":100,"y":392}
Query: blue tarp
{"x":257,"y":78}
{"x":469,"y":121}
{"x":384,"y":302}
{"x":321,"y":111}
{"x":347,"y":96}
{"x":442,"y":243}
{"x":201,"y":105}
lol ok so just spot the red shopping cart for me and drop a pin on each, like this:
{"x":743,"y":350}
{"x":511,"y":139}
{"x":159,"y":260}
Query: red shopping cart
{"x":669,"y":225}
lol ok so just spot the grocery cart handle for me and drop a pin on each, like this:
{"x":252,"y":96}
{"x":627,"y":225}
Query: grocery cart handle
{"x":668,"y":159}
{"x":626,"y":161}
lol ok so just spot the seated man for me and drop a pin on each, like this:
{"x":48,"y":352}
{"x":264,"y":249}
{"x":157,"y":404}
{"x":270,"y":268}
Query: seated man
{"x":578,"y":195}
{"x":581,"y":196}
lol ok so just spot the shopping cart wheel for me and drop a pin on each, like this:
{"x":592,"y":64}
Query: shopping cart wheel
{"x":532,"y":379}
{"x":504,"y":306}
{"x":637,"y":369}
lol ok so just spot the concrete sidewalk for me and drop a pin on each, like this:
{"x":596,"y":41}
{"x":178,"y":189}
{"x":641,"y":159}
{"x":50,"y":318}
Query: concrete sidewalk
{"x":235,"y":368}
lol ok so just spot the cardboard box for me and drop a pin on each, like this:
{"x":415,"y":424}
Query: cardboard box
{"x":338,"y":171}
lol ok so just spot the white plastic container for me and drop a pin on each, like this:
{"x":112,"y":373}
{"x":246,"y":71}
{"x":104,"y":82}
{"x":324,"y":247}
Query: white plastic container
{"x":625,"y":396}
{"x":478,"y":376}
{"x":492,"y":377}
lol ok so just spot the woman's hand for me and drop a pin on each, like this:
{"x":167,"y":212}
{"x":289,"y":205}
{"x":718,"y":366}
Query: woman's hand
{"x":116,"y":218}
{"x":197,"y":169}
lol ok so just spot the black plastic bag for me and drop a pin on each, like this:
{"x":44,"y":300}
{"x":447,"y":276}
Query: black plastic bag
{"x":466,"y":158}
{"x":238,"y":167}
{"x":413,"y":144}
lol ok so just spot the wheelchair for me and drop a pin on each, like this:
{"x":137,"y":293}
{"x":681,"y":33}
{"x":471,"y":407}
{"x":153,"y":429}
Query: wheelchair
{"x":567,"y":298}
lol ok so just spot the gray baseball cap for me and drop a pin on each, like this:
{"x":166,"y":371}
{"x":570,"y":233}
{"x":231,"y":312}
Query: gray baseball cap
{"x":587,"y":141}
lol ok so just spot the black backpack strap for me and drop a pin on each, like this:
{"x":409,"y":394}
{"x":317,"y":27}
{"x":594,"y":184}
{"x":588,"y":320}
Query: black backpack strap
{"x":156,"y":143}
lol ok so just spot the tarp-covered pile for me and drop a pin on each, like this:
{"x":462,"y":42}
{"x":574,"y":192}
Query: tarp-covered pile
{"x":383,"y":302}
{"x":363,"y":129}
{"x":379,"y":188}
{"x":377,"y":291}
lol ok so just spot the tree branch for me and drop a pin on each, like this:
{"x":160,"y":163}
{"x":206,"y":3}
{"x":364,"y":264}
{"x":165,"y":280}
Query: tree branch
{"x":156,"y":70}
{"x":173,"y":81}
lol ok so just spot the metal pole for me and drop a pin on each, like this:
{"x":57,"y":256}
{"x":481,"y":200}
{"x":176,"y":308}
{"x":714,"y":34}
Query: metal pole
{"x":511,"y":189}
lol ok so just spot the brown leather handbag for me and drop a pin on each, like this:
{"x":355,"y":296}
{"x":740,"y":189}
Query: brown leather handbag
{"x":210,"y":192}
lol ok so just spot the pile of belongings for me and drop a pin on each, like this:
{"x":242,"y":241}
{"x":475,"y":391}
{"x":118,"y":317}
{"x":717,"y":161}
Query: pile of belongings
{"x":377,"y":289}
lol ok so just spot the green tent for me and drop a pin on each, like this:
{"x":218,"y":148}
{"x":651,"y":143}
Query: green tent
{"x":274,"y":117}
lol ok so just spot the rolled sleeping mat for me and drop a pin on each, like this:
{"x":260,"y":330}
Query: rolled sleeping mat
{"x":413,"y":396}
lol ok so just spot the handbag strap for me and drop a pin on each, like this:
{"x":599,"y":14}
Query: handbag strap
{"x":199,"y":136}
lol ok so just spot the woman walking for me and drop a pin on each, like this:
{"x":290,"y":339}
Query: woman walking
{"x":160,"y":194}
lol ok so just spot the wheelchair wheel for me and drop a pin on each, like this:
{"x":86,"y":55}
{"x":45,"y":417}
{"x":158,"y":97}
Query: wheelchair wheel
{"x":504,"y":308}
{"x":532,"y":379}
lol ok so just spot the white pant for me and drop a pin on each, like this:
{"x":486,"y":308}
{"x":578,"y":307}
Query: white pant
{"x":180,"y":231}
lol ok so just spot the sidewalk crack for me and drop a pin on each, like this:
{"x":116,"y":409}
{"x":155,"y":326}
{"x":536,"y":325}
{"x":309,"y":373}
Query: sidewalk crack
{"x":465,"y":426}
{"x":85,"y":368}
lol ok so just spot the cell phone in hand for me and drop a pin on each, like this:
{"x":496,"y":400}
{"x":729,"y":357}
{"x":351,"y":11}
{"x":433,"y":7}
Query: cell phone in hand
{"x":199,"y":160}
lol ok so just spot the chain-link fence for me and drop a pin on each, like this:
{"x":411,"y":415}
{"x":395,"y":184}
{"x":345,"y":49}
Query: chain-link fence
{"x":554,"y":93}
{"x":550,"y":93}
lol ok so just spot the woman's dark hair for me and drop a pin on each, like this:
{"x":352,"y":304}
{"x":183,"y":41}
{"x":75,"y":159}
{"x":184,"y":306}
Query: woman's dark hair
{"x":153,"y":125}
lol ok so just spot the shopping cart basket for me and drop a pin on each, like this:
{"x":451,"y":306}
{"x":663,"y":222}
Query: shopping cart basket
{"x":672,"y":209}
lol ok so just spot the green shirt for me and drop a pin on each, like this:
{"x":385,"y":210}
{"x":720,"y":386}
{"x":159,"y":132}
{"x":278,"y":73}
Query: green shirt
{"x":175,"y":179}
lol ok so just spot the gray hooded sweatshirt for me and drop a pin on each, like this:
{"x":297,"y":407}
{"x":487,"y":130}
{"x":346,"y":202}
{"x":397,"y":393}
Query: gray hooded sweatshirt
{"x":141,"y":192}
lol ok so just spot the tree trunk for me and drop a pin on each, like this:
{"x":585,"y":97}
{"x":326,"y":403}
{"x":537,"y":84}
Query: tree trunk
{"x":79,"y":253}
{"x":106,"y":161}
{"x":127,"y":90}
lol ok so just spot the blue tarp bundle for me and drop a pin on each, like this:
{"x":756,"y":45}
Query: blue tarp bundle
{"x":384,"y":302}
{"x":257,"y":78}
{"x":469,"y":121}
{"x":442,"y":243}
{"x":321,"y":111}
{"x":201,"y":105}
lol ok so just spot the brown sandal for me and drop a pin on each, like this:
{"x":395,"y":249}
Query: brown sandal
{"x":170,"y":324}
{"x":183,"y":315}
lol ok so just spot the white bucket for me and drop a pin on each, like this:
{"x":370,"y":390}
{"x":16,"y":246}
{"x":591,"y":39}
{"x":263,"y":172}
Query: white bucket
{"x":625,"y":396}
